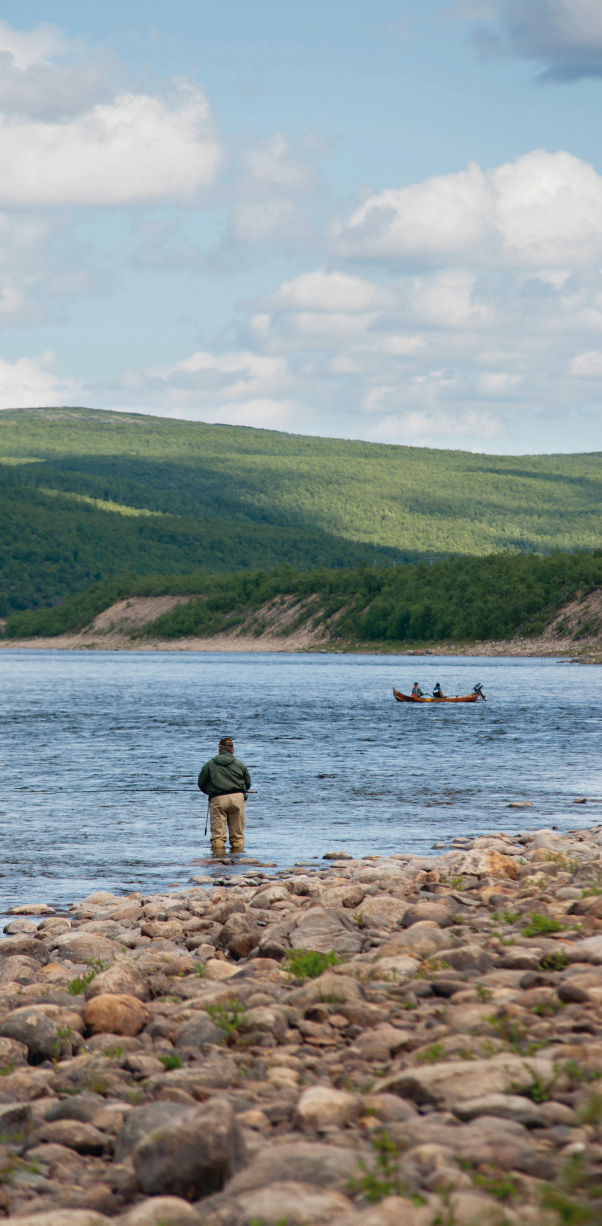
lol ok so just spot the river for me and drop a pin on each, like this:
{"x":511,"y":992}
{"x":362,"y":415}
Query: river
{"x":100,"y":753}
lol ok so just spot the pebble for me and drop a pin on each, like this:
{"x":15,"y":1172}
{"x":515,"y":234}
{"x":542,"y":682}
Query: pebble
{"x":161,"y":1062}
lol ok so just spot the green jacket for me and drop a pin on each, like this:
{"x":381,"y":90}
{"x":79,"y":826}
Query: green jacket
{"x":223,"y":775}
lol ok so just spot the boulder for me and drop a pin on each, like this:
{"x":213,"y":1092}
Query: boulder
{"x":83,"y":1138}
{"x":303,"y":1161}
{"x":16,"y":1119}
{"x":328,"y":986}
{"x":397,"y":1211}
{"x":85,"y":947}
{"x":122,"y":978}
{"x":191,"y":1156}
{"x":141,"y":1121}
{"x":456,"y":1081}
{"x":382,"y":909}
{"x":323,"y":1107}
{"x":242,"y":945}
{"x":486,"y":863}
{"x":32,"y":1028}
{"x":323,"y":931}
{"x":11,"y":1054}
{"x":471,"y":958}
{"x":24,"y":947}
{"x":297,"y":1204}
{"x":422,"y":939}
{"x":115,"y":1014}
{"x":61,"y":1217}
{"x":503,"y":1106}
{"x":161,"y":1211}
{"x":425,"y":910}
{"x":273,"y":893}
{"x":200,"y":1029}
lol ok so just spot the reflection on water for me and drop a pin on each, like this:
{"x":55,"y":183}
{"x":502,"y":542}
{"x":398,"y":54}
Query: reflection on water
{"x":100,"y":755}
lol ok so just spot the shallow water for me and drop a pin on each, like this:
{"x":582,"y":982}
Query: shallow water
{"x":100,"y":754}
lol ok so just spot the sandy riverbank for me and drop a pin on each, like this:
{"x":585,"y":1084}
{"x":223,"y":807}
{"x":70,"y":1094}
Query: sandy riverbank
{"x":397,"y":1041}
{"x":287,"y":625}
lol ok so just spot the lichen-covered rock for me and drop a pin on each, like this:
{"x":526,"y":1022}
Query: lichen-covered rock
{"x":161,"y":1211}
{"x":303,"y":1161}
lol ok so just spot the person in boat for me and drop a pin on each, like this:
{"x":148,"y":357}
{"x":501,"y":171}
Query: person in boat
{"x":226,"y":781}
{"x":438,"y":692}
{"x":416,"y":691}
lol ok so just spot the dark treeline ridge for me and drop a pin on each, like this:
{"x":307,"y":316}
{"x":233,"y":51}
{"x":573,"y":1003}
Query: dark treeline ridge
{"x":457,"y":599}
{"x":53,"y":547}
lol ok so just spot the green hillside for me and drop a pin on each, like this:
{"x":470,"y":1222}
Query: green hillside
{"x":86,"y":494}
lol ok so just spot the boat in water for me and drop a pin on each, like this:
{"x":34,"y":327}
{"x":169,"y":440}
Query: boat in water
{"x":473,"y":697}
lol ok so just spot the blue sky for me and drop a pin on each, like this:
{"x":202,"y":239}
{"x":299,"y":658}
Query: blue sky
{"x":375,"y":221}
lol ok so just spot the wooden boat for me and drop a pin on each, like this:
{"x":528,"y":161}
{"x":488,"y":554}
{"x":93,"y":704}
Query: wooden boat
{"x":399,"y":697}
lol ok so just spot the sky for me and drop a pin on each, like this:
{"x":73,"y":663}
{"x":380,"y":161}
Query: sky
{"x":378,"y":221}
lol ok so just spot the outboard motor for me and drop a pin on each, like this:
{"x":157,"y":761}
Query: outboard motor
{"x":478,"y":689}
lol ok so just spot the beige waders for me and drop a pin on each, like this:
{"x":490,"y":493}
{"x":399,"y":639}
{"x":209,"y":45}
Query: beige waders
{"x":227,"y":816}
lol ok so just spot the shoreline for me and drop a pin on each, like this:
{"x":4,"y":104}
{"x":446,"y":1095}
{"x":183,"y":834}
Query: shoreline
{"x":374,"y":1042}
{"x":270,"y":644}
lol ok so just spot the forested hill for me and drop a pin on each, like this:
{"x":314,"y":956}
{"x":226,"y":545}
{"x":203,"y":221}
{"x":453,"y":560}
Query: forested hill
{"x":86,"y":494}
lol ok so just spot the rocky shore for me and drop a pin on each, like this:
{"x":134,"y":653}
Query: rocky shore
{"x":376,"y":1042}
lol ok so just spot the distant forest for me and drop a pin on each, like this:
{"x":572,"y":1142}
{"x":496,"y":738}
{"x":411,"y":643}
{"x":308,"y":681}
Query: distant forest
{"x":458,"y":599}
{"x":86,"y":495}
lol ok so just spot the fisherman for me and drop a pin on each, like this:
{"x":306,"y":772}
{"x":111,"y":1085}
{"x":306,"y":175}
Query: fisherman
{"x":438,"y":692}
{"x":416,"y":691}
{"x":226,"y":781}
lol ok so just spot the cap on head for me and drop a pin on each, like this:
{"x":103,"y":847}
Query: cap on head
{"x":226,"y":744}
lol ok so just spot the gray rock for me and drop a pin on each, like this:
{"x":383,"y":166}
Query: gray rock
{"x":26,"y":947}
{"x":323,"y":931}
{"x":12,"y":1053}
{"x":35,"y":1030}
{"x":200,"y":1029}
{"x":83,"y":1108}
{"x":122,"y":979}
{"x":16,"y":1120}
{"x":327,"y":1166}
{"x":193,"y":1155}
{"x":297,"y":1204}
{"x":161,"y":1211}
{"x":83,"y":1138}
{"x":447,"y":1084}
{"x":141,"y":1121}
{"x":503,"y":1106}
{"x":470,"y":958}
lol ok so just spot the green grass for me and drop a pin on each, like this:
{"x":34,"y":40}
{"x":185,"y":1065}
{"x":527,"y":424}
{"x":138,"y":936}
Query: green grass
{"x":308,"y":963}
{"x":540,"y":925}
{"x":228,"y":1017}
{"x":171,"y":1060}
{"x":80,"y":489}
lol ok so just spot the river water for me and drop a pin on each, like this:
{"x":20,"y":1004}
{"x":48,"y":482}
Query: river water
{"x":100,"y":753}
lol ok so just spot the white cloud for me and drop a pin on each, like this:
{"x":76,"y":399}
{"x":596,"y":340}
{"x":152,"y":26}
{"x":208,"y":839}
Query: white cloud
{"x":26,"y":47}
{"x":32,"y":383}
{"x":543,"y":210}
{"x":134,"y":150}
{"x":329,"y":291}
{"x":565,"y":36}
{"x":588,"y":365}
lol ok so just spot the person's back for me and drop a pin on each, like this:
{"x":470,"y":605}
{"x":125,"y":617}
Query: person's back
{"x":416,"y":691}
{"x":226,"y":781}
{"x":438,"y":692}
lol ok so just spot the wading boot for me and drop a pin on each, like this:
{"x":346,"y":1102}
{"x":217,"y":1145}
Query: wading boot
{"x":217,"y":848}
